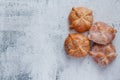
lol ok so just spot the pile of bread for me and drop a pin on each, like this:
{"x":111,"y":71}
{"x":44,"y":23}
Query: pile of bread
{"x":100,"y":34}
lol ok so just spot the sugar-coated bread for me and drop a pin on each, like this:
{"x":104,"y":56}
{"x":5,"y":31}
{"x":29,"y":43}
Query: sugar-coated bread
{"x":101,"y":33}
{"x":103,"y":54}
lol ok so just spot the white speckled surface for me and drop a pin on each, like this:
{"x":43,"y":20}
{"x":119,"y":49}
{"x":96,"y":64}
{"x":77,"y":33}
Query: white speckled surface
{"x":32,"y":34}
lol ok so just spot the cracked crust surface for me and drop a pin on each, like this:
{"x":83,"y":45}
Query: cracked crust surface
{"x":80,"y":19}
{"x":77,"y":45}
{"x":103,"y":54}
{"x":101,"y":33}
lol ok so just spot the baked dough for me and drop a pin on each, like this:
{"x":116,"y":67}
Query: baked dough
{"x":77,"y":45}
{"x":103,"y":54}
{"x":101,"y":33}
{"x":80,"y":19}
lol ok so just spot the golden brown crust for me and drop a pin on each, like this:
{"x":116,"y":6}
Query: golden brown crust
{"x":103,"y":54}
{"x":77,"y":45}
{"x":101,"y":33}
{"x":80,"y":19}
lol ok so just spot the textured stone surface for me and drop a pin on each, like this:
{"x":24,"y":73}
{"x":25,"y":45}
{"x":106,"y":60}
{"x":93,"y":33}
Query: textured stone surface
{"x":32,"y":34}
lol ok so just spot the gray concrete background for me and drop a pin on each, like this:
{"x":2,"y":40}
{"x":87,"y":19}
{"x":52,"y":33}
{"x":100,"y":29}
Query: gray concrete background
{"x":32,"y":34}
